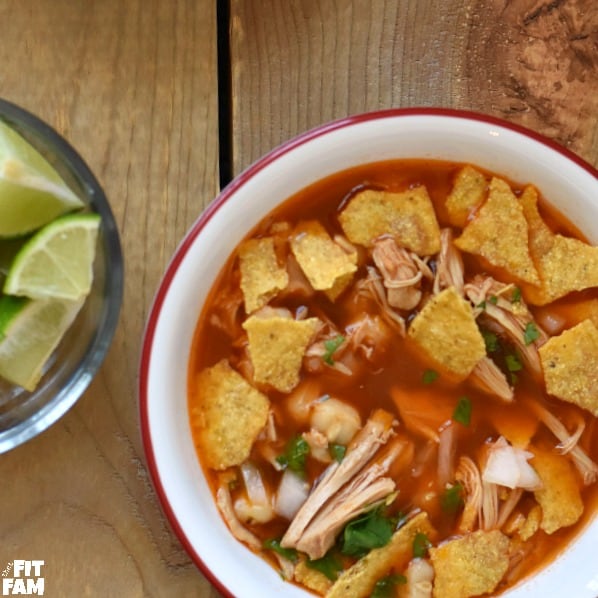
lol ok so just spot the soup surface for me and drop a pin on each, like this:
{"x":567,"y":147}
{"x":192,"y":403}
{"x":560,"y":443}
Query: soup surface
{"x":394,"y":383}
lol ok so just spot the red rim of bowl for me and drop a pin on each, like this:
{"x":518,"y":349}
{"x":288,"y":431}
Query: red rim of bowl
{"x":204,"y":218}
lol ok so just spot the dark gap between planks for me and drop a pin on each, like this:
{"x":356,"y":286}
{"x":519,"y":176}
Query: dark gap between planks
{"x":225,"y":144}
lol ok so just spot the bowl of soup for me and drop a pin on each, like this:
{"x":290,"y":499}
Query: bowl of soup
{"x":371,"y":366}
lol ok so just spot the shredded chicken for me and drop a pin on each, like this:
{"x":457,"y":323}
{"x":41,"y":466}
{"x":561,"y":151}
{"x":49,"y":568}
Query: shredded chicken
{"x":368,"y":335}
{"x":568,"y":443}
{"x":488,"y":377}
{"x":401,"y":273}
{"x":227,"y":308}
{"x":492,"y":300}
{"x":449,"y":266}
{"x":508,"y":506}
{"x":373,"y":288}
{"x":446,"y":454}
{"x":225,"y":504}
{"x":359,"y":496}
{"x":375,"y":433}
{"x":489,"y":518}
{"x":469,"y":475}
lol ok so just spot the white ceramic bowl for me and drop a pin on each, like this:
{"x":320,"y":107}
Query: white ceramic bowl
{"x":567,"y":182}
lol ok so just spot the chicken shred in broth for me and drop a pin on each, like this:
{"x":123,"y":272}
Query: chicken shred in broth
{"x":393,"y":386}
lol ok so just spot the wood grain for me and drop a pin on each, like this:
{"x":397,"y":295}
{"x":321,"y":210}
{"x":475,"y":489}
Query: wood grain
{"x":132,"y":85}
{"x":301,"y":63}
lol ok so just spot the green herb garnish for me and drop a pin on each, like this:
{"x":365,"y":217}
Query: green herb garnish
{"x":295,"y":455}
{"x":481,"y":305}
{"x":531,"y":333}
{"x":329,"y":565}
{"x":421,"y":544}
{"x":462,"y":412}
{"x":384,"y":587}
{"x":331,"y":345}
{"x":513,"y":362}
{"x":516,"y":296}
{"x":288,"y":553}
{"x":452,"y":498}
{"x":430,"y":376}
{"x":491,"y":341}
{"x":370,"y":530}
{"x":337,"y":451}
{"x":493,"y":299}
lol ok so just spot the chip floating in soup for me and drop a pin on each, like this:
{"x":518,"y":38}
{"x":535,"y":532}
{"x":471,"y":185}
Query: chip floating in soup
{"x":393,"y":387}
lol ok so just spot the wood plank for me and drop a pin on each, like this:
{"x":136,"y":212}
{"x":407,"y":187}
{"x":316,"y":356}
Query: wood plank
{"x":298,"y":64}
{"x":132,"y":85}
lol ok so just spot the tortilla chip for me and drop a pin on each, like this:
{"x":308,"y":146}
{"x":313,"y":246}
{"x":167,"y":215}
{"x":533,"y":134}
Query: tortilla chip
{"x":230,"y":415}
{"x":467,"y":194}
{"x":564,"y":264}
{"x":312,"y":578}
{"x":531,"y":524}
{"x":324,"y":262}
{"x":559,"y":497}
{"x":408,"y":217}
{"x":447,"y":332}
{"x":470,"y":566}
{"x":276,"y":347}
{"x":359,"y":580}
{"x":261,"y":276}
{"x":499,"y":233}
{"x":570,"y":364}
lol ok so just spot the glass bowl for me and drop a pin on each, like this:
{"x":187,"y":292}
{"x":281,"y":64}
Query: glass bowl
{"x":80,"y":353}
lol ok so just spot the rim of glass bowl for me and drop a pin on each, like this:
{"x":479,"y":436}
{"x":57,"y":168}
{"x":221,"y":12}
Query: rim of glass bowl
{"x":191,"y":235}
{"x":48,"y":141}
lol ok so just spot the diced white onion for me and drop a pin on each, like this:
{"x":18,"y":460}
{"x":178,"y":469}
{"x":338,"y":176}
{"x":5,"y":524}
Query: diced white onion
{"x":292,"y":493}
{"x":254,"y":484}
{"x":508,"y":466}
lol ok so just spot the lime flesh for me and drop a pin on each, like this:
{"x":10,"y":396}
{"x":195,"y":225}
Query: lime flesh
{"x":31,"y":331}
{"x":57,"y":262}
{"x":32,"y":193}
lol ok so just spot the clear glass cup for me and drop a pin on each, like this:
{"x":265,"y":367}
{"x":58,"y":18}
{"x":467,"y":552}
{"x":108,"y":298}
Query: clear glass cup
{"x":81,"y":352}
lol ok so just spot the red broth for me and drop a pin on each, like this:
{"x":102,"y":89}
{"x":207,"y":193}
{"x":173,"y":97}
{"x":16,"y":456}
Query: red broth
{"x":397,"y":371}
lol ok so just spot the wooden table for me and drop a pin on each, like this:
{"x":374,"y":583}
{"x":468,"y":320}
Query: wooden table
{"x":134,"y":86}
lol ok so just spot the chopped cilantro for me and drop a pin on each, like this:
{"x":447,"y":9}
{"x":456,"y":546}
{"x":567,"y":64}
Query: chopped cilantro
{"x":452,"y":498}
{"x":384,"y":587}
{"x":331,"y":345}
{"x":481,"y":305}
{"x":370,"y":530}
{"x":491,"y":341}
{"x":513,"y":362}
{"x":531,"y":333}
{"x":462,"y":412}
{"x":516,"y":296}
{"x":493,"y":299}
{"x":421,"y":544}
{"x":288,"y":553}
{"x":430,"y":376}
{"x":295,"y":454}
{"x":337,"y":451}
{"x":329,"y":565}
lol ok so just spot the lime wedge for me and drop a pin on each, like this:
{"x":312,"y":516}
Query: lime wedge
{"x":57,"y":262}
{"x":31,"y":331}
{"x":32,"y":193}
